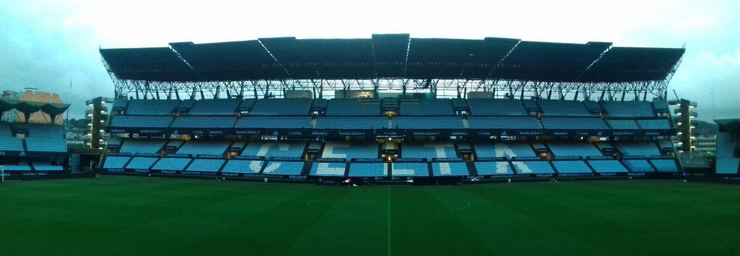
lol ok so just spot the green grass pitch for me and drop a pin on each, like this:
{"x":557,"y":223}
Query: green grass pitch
{"x":165,"y":216}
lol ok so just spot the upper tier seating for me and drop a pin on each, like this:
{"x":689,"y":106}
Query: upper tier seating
{"x":115,"y":162}
{"x":151,"y":107}
{"x":328,"y":168}
{"x":638,"y":165}
{"x":243,"y":166}
{"x":660,"y":106}
{"x":664,"y":165}
{"x":727,"y":165}
{"x":532,"y":167}
{"x":46,"y":145}
{"x":215,"y":107}
{"x":141,"y":163}
{"x":490,"y":107}
{"x":120,"y":104}
{"x":284,"y":168}
{"x":583,"y":149}
{"x":134,"y":146}
{"x":171,"y":164}
{"x":347,"y":150}
{"x":494,"y":168}
{"x":504,"y":149}
{"x":348,"y":122}
{"x":246,"y":105}
{"x":270,"y":122}
{"x":42,"y":130}
{"x":141,"y":121}
{"x":359,"y":169}
{"x":637,"y":148}
{"x":450,"y":169}
{"x":654,"y":124}
{"x":281,"y":107}
{"x":5,"y":130}
{"x":411,"y":169}
{"x":593,"y":106}
{"x":628,"y":108}
{"x":184,"y":106}
{"x":622,"y":124}
{"x":206,"y":165}
{"x":500,"y":122}
{"x":428,"y":122}
{"x":563,"y":108}
{"x":574,"y":123}
{"x":607,"y":166}
{"x":353,"y":107}
{"x":571,"y":166}
{"x":215,"y":148}
{"x":432,"y":107}
{"x":428,"y":150}
{"x":204,"y":122}
{"x":274,"y":149}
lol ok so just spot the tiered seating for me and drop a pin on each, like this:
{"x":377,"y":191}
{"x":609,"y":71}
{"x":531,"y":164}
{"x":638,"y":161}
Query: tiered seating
{"x":504,"y":149}
{"x":533,"y":167}
{"x":47,"y":167}
{"x":284,"y":168}
{"x":638,"y":165}
{"x":664,"y":165}
{"x":499,"y":122}
{"x":215,"y":107}
{"x":5,"y":130}
{"x":726,"y":145}
{"x":428,"y":122}
{"x":654,"y":124}
{"x":206,"y":165}
{"x":349,"y":122}
{"x":274,"y":149}
{"x":214,"y":148}
{"x":239,"y":166}
{"x":560,"y":149}
{"x":246,"y":105}
{"x":120,"y":104}
{"x":494,"y":168}
{"x":151,"y":107}
{"x":727,"y":165}
{"x":142,"y":146}
{"x":271,"y":122}
{"x":281,"y":107}
{"x":410,"y":169}
{"x":42,"y":131}
{"x":607,"y":166}
{"x":11,"y":144}
{"x":593,"y":107}
{"x":204,"y":122}
{"x":141,"y":163}
{"x":46,"y":145}
{"x":638,"y":148}
{"x":328,"y":168}
{"x":171,"y":164}
{"x":348,"y":151}
{"x":450,"y":169}
{"x":428,"y":150}
{"x":115,"y":162}
{"x":622,"y":124}
{"x":184,"y":106}
{"x":435,"y":107}
{"x":353,"y":107}
{"x":628,"y":108}
{"x":660,"y":106}
{"x":571,"y":167}
{"x":489,"y":107}
{"x":563,"y":108}
{"x":573,"y":123}
{"x":358,"y":169}
{"x":23,"y":167}
{"x":141,"y":121}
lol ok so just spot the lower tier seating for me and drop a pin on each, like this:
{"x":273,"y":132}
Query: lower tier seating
{"x":664,"y":165}
{"x":494,"y":168}
{"x":410,"y":169}
{"x":450,"y":169}
{"x":638,"y":165}
{"x":379,"y":169}
{"x":328,"y":168}
{"x":571,"y":167}
{"x":206,"y":165}
{"x":533,"y":167}
{"x":607,"y":166}
{"x":727,"y":165}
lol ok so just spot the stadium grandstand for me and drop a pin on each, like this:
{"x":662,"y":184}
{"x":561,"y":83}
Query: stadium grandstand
{"x":391,"y":107}
{"x":728,"y":148}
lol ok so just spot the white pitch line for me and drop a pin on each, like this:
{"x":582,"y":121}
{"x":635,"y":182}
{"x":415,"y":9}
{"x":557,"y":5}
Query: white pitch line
{"x":389,"y":220}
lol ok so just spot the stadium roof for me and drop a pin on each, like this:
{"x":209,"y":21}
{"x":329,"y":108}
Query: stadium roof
{"x":393,"y":56}
{"x":728,"y":125}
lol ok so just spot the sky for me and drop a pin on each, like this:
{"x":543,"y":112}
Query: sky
{"x":53,"y":45}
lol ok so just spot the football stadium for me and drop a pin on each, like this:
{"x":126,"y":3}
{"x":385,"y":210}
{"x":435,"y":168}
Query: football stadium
{"x":387,"y":145}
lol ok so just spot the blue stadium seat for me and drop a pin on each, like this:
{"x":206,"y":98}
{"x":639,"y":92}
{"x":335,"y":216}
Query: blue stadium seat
{"x":352,"y":107}
{"x":350,"y":150}
{"x":501,"y":149}
{"x":246,"y":105}
{"x":273,"y":122}
{"x":450,"y":169}
{"x":504,"y":123}
{"x":293,"y":168}
{"x":582,"y":149}
{"x":281,"y":107}
{"x":336,"y":169}
{"x":41,"y":130}
{"x":171,"y":164}
{"x":622,"y":124}
{"x":428,"y":150}
{"x":431,"y":107}
{"x":607,"y":166}
{"x":494,"y":168}
{"x":142,"y":146}
{"x":573,"y":123}
{"x":654,"y":124}
{"x":497,"y":107}
{"x":571,"y":167}
{"x":22,"y":167}
{"x":11,"y":144}
{"x":213,"y":148}
{"x":628,"y":108}
{"x":664,"y":165}
{"x":115,"y":162}
{"x":46,"y":145}
{"x":204,"y":122}
{"x":660,"y":106}
{"x":533,"y":167}
{"x":593,"y":106}
{"x":47,"y":167}
{"x":237,"y":166}
{"x":120,"y":104}
{"x":151,"y":107}
{"x":638,"y":148}
{"x":141,"y":163}
{"x":347,"y":122}
{"x":206,"y":165}
{"x":427,"y":122}
{"x":140,"y":121}
{"x":563,"y":108}
{"x":409,"y":169}
{"x":215,"y":107}
{"x":638,"y":165}
{"x":184,"y":106}
{"x":274,"y":149}
{"x":727,"y":165}
{"x":359,"y":169}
